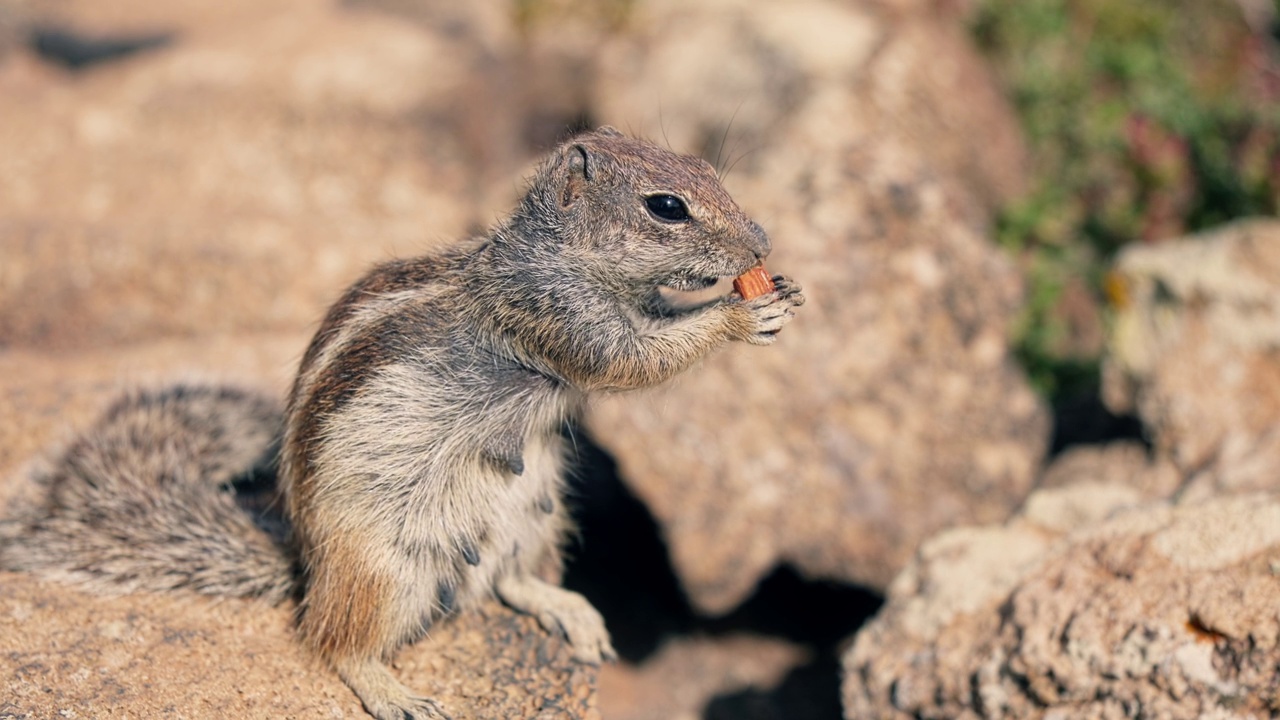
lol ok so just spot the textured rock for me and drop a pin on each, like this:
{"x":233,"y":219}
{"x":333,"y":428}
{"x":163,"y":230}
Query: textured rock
{"x":233,"y":180}
{"x":1091,"y":604}
{"x":1195,"y":352}
{"x":1125,"y":463}
{"x":1136,"y":584}
{"x":63,"y":652}
{"x":869,"y":425}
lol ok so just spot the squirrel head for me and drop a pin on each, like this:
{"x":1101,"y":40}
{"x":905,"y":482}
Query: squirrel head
{"x":638,"y":216}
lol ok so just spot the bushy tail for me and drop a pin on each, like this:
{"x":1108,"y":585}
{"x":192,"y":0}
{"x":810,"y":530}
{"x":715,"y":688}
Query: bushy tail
{"x":144,"y":500}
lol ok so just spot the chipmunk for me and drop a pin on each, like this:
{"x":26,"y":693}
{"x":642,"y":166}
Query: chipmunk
{"x":421,"y":460}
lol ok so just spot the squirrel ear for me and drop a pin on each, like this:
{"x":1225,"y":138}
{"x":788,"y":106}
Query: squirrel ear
{"x":608,"y":130}
{"x":578,"y":171}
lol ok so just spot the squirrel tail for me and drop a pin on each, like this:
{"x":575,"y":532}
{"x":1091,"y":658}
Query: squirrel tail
{"x":147,"y":499}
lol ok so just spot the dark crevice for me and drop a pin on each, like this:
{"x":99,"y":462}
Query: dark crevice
{"x":77,"y":51}
{"x":620,"y":562}
{"x":816,"y":614}
{"x":1080,"y":418}
{"x":621,"y":565}
{"x":808,"y":692}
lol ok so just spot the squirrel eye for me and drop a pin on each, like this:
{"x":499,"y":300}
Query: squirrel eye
{"x":667,"y":207}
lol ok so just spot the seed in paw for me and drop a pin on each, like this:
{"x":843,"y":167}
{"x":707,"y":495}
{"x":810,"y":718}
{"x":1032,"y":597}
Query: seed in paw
{"x":753,"y":283}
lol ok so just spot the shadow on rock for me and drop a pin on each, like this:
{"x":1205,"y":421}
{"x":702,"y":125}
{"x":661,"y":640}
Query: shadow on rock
{"x":621,"y":565}
{"x":78,"y":51}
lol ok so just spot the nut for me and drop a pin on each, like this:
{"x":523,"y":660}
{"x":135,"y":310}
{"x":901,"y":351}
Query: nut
{"x":753,"y":283}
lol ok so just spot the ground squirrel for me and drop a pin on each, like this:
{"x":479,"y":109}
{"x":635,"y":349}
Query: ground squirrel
{"x":421,"y":457}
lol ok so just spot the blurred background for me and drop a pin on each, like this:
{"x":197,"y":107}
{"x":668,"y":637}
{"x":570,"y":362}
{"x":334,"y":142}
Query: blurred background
{"x":188,"y":184}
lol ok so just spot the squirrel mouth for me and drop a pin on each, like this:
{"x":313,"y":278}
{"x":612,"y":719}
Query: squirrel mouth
{"x":691,"y":293}
{"x":690,"y":283}
{"x":702,"y":283}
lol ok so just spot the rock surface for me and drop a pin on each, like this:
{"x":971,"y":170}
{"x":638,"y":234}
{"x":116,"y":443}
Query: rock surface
{"x":1091,"y":604}
{"x":1124,"y":463}
{"x":869,"y":425}
{"x":1195,"y":353}
{"x":137,"y":194}
{"x":64,"y":654}
{"x":685,"y":675}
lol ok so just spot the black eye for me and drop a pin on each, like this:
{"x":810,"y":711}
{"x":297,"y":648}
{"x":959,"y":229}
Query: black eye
{"x":667,"y":207}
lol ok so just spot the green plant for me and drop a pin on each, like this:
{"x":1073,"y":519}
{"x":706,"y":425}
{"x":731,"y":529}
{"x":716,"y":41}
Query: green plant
{"x":1147,"y":119}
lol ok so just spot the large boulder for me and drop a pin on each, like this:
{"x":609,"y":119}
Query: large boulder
{"x":890,"y":408}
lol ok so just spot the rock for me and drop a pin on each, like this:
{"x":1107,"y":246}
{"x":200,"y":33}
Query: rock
{"x":1092,"y":603}
{"x":685,"y":674}
{"x":1137,"y":583}
{"x":66,"y":654}
{"x":890,"y":408}
{"x":1194,"y":353}
{"x":1121,"y":463}
{"x":235,"y":179}
{"x":45,"y":396}
{"x":737,"y":81}
{"x":63,"y":652}
{"x":12,"y":13}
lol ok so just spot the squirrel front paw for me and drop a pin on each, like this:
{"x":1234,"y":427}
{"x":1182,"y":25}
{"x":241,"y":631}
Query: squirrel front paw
{"x":763,"y":316}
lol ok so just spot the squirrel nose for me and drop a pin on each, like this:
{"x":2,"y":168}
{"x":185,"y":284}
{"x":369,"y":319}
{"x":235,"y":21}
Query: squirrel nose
{"x":759,"y":241}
